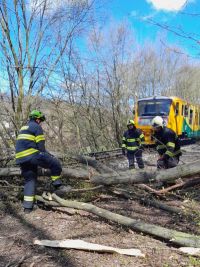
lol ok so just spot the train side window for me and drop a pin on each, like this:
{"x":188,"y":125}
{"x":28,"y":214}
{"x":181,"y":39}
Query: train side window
{"x":191,"y":116}
{"x":177,"y":108}
{"x":186,"y":111}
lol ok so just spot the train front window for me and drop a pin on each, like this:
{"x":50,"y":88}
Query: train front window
{"x":157,"y":107}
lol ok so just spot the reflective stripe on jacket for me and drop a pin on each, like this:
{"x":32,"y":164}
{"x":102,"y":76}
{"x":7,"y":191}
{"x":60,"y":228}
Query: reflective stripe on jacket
{"x":167,"y":143}
{"x":132,"y":139}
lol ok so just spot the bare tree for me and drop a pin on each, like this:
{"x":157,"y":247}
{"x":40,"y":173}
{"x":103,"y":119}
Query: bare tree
{"x":34,"y":36}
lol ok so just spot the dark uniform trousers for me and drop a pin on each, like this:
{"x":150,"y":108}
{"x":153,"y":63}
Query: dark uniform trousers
{"x":30,"y":172}
{"x":167,"y":163}
{"x":132,"y":155}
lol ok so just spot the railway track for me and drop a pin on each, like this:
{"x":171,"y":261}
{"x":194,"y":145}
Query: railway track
{"x":193,"y":149}
{"x":187,"y":147}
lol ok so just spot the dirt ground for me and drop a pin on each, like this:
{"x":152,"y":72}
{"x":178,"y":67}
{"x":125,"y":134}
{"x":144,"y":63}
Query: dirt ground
{"x":18,"y":231}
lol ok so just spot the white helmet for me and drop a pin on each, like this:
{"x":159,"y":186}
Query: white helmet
{"x":157,"y":122}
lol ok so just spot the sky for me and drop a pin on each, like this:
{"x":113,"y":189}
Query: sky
{"x":144,"y":16}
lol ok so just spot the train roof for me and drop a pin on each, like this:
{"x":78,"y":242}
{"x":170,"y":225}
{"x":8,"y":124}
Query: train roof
{"x":174,"y":98}
{"x":160,"y":98}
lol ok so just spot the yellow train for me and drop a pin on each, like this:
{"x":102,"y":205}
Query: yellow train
{"x":178,"y":114}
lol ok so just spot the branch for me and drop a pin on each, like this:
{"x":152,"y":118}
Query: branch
{"x":175,"y":237}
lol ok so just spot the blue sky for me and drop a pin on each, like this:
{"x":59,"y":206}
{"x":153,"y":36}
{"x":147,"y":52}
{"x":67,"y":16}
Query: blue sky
{"x":180,"y":15}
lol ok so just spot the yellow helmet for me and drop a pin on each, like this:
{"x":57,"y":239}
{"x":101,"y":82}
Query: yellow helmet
{"x":130,"y":122}
{"x":157,"y":122}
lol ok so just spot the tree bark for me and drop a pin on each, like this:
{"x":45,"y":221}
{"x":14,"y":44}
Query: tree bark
{"x":140,"y":176}
{"x":66,"y":172}
{"x":151,"y":202}
{"x":175,"y":237}
{"x":100,"y":167}
{"x":159,"y":205}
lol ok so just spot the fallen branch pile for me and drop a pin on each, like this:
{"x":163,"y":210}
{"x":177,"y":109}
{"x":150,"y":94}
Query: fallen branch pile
{"x":175,"y":237}
{"x":103,"y":178}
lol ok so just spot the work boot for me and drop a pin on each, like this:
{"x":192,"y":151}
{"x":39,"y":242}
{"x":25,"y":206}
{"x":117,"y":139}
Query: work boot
{"x":131,"y":167}
{"x":28,"y":211}
{"x":62,"y":190}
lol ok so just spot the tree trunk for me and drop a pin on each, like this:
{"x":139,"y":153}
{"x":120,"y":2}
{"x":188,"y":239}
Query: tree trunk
{"x":176,"y":237}
{"x":66,"y":172}
{"x":100,"y":167}
{"x":140,"y":176}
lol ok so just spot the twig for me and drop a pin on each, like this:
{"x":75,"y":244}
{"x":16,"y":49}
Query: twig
{"x":9,"y":185}
{"x":87,"y":189}
{"x":188,"y":183}
{"x":14,"y":264}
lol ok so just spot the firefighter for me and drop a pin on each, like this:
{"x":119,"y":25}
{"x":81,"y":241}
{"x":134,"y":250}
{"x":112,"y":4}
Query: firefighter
{"x":132,"y":142}
{"x":167,"y":144}
{"x":31,"y":153}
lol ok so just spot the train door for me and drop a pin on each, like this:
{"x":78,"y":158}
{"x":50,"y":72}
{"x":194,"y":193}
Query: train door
{"x":196,"y":122}
{"x":185,"y":124}
{"x":199,"y":125}
{"x":191,"y":121}
{"x":178,"y":118}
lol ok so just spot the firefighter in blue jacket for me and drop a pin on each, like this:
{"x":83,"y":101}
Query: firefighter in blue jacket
{"x":132,"y":142}
{"x":31,"y":153}
{"x":167,"y":144}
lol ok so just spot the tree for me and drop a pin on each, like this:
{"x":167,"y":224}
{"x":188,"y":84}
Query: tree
{"x":34,"y":36}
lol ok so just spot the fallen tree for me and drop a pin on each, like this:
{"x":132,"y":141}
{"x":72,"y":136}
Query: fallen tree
{"x":175,"y":237}
{"x":109,"y":176}
{"x":66,"y":172}
{"x":97,"y":165}
{"x":140,"y":176}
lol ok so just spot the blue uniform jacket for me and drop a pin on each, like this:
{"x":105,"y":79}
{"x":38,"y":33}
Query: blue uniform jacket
{"x":132,"y":140}
{"x":29,"y":142}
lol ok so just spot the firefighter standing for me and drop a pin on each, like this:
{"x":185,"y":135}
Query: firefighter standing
{"x":132,"y":142}
{"x":31,"y":153}
{"x":167,"y":144}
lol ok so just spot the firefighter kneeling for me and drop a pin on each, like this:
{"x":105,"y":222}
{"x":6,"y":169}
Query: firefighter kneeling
{"x":167,"y":144}
{"x":31,"y":153}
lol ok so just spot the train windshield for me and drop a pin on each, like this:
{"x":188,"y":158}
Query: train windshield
{"x":154,"y":107}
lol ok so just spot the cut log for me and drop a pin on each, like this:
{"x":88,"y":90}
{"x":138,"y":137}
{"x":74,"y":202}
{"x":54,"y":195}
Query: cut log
{"x":140,"y":176}
{"x":176,"y":237}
